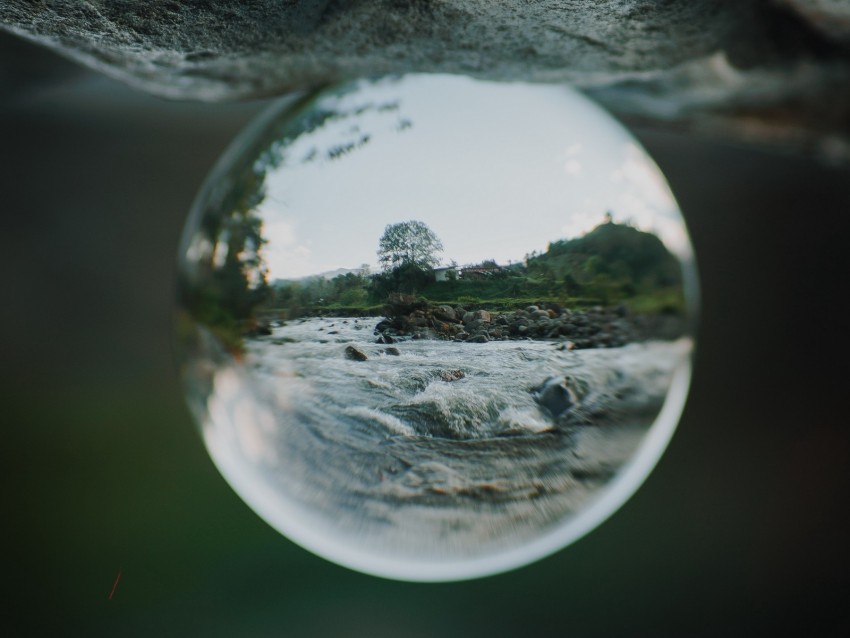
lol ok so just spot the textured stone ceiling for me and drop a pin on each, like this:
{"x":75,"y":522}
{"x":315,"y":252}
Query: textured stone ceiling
{"x":761,"y":71}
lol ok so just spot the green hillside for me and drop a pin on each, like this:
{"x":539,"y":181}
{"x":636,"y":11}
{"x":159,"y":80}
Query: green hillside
{"x":626,"y":255}
{"x":612,"y":264}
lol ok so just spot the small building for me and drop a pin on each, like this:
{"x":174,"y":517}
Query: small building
{"x":479,"y":272}
{"x":442,"y":274}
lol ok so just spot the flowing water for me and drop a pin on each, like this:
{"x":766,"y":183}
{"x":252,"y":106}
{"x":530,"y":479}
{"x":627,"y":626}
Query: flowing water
{"x":442,"y":449}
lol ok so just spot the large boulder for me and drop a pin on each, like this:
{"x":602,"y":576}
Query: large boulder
{"x":445,"y":313}
{"x":355,"y":354}
{"x":555,"y":396}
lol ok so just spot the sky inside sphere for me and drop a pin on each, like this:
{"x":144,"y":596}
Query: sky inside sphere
{"x":496,"y":170}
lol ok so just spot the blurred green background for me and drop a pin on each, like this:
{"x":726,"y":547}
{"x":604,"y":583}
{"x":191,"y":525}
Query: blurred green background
{"x":742,"y":529}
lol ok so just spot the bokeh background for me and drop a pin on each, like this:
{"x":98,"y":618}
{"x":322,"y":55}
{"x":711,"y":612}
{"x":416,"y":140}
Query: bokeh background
{"x":742,"y":529}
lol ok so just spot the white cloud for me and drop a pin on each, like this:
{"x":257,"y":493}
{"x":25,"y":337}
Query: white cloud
{"x":573,"y":167}
{"x":284,"y":256}
{"x":581,"y":222}
{"x":280,"y":231}
{"x":646,"y":201}
{"x":642,"y":178}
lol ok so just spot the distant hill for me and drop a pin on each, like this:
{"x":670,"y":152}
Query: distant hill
{"x":618,"y":252}
{"x":328,"y":275}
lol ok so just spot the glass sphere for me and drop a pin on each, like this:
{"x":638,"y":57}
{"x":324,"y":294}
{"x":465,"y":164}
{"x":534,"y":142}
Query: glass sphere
{"x":434,"y":328}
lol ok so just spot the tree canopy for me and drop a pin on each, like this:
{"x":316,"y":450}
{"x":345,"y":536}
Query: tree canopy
{"x":617,"y":250}
{"x":409,"y":243}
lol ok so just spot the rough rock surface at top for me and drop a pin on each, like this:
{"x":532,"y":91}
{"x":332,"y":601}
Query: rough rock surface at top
{"x":775,"y":70}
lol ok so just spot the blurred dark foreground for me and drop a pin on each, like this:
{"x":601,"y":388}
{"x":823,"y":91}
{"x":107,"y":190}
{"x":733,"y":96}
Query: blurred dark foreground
{"x":741,"y":530}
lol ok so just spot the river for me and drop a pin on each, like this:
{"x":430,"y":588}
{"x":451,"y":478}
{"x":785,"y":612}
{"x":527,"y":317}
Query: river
{"x":398,"y":455}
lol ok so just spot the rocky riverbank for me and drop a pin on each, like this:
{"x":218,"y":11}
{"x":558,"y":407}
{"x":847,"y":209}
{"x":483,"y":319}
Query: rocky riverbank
{"x":597,"y":327}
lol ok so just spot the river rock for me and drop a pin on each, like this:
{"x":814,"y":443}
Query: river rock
{"x":445,"y":313}
{"x":555,"y":396}
{"x":479,"y":338}
{"x":451,"y":375}
{"x":354,"y":354}
{"x":476,"y":325}
{"x":392,"y":351}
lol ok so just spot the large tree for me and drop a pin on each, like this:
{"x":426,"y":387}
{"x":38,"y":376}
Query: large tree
{"x":409,"y":243}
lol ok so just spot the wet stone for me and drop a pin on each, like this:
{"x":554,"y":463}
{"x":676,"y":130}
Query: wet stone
{"x":355,"y":354}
